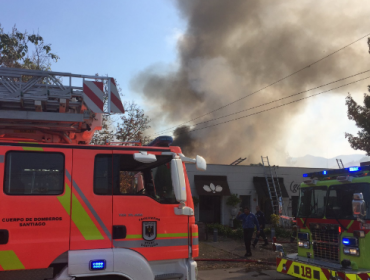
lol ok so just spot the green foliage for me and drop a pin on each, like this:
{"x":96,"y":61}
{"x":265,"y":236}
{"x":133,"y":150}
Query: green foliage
{"x":226,"y":231}
{"x":14,"y":50}
{"x":275,"y":220}
{"x":361,"y":115}
{"x":233,"y":200}
{"x":195,"y":201}
{"x":279,"y":232}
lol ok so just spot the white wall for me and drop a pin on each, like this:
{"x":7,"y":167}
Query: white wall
{"x":240,"y":180}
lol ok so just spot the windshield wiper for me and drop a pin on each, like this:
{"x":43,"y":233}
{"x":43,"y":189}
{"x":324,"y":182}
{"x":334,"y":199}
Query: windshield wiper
{"x":336,"y":218}
{"x":309,"y":215}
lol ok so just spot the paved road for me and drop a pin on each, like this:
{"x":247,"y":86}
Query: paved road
{"x":239,"y":274}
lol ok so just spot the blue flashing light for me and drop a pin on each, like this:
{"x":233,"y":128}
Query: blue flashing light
{"x":354,"y":168}
{"x":161,"y":141}
{"x":97,"y":265}
{"x":345,"y":241}
{"x":324,"y":172}
{"x":305,"y":175}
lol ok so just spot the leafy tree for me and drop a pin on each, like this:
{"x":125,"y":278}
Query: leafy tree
{"x":14,"y":50}
{"x":361,"y":115}
{"x":126,"y":128}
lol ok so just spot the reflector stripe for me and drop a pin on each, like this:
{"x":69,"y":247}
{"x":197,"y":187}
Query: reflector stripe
{"x":93,"y":95}
{"x":326,"y":273}
{"x":195,"y":241}
{"x":116,"y":103}
{"x":194,"y":234}
{"x":65,"y":199}
{"x":287,"y":265}
{"x":172,"y":234}
{"x":159,"y":235}
{"x":9,"y":260}
{"x":349,"y":225}
{"x":33,"y":149}
{"x":92,"y":210}
{"x":83,"y":221}
{"x":363,"y":276}
{"x":80,"y":217}
{"x":68,"y":176}
{"x":157,"y":243}
{"x":133,"y":236}
{"x":278,"y":260}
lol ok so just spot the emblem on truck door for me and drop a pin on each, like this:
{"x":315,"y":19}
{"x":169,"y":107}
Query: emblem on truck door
{"x":149,"y":231}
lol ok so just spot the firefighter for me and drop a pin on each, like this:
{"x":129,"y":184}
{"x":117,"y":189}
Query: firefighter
{"x":249,"y":221}
{"x":262,"y":222}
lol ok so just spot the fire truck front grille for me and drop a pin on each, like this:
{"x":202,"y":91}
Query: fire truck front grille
{"x":325,"y":238}
{"x":326,"y":251}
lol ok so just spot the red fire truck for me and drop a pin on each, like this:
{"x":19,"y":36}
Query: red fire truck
{"x":71,"y":210}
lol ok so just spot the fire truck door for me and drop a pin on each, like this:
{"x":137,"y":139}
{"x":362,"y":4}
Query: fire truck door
{"x":91,"y":226}
{"x":143,"y":206}
{"x":34,"y":205}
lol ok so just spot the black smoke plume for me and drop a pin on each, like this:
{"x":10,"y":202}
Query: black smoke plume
{"x":232,"y":48}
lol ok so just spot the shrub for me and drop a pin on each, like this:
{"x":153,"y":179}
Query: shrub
{"x":275,"y":220}
{"x":233,"y":200}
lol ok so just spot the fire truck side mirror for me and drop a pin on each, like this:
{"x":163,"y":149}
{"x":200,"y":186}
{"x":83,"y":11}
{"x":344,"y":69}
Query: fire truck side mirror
{"x":200,"y":163}
{"x":358,"y":205}
{"x":178,"y":180}
{"x":144,"y":157}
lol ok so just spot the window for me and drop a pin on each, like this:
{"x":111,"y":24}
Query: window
{"x":312,"y":202}
{"x":246,"y":202}
{"x":103,"y":175}
{"x":340,"y":200}
{"x":32,"y":173}
{"x":151,"y":179}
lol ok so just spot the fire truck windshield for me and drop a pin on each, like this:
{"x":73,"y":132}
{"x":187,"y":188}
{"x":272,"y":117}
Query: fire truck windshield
{"x":312,"y":202}
{"x":339,"y":204}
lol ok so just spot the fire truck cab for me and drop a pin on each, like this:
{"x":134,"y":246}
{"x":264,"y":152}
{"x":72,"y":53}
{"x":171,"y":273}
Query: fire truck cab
{"x":333,"y":226}
{"x":72,"y":210}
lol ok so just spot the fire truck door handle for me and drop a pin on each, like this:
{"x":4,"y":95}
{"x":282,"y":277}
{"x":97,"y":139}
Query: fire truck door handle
{"x":4,"y":236}
{"x":119,"y":232}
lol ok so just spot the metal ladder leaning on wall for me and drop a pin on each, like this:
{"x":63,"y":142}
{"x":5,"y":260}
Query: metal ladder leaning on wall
{"x":273,"y":185}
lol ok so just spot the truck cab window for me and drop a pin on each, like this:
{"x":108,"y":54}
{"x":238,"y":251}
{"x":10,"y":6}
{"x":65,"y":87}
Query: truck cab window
{"x":34,"y":173}
{"x":103,"y":175}
{"x":340,"y":200}
{"x":135,"y":178}
{"x":312,"y":202}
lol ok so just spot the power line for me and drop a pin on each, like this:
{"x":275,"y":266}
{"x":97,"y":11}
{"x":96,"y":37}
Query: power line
{"x":269,"y":85}
{"x":282,"y":105}
{"x":286,"y":97}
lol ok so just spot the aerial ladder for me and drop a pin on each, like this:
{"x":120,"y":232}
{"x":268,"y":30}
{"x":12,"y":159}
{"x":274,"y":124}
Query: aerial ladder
{"x":54,"y":107}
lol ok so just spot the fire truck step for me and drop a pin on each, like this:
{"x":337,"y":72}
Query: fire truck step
{"x":169,"y":276}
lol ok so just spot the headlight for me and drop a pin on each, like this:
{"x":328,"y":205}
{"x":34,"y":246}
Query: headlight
{"x":304,"y":244}
{"x":351,"y":251}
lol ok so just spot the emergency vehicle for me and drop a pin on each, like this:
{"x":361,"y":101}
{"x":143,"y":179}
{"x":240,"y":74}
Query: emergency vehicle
{"x":69,"y":209}
{"x":333,"y":226}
